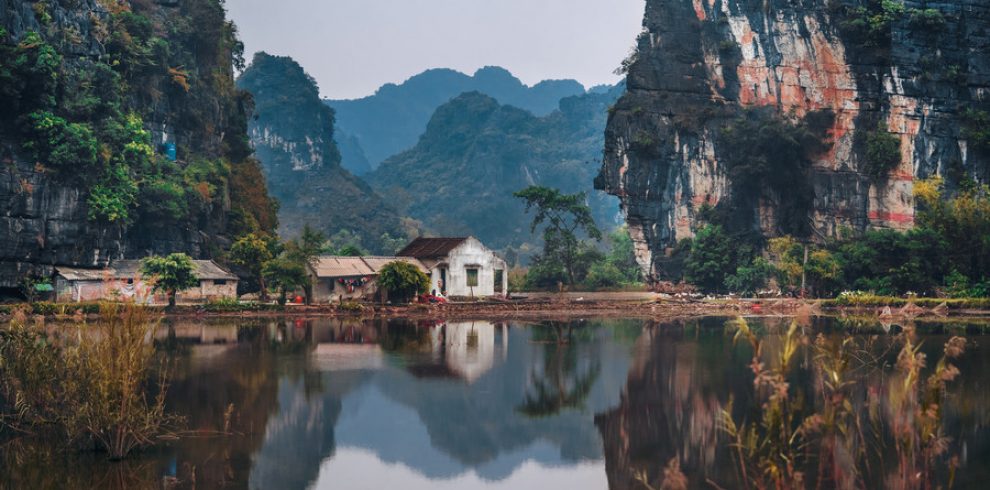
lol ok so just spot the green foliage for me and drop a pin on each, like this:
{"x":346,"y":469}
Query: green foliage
{"x":253,"y":252}
{"x":710,"y":260}
{"x":976,"y":128}
{"x":170,"y":274}
{"x":928,"y":20}
{"x":67,"y":148}
{"x":565,"y":216}
{"x":285,"y":274}
{"x":871,"y":23}
{"x":749,"y":279}
{"x":112,"y":199}
{"x":82,"y":119}
{"x":769,"y":156}
{"x":403,"y":281}
{"x":883,"y":153}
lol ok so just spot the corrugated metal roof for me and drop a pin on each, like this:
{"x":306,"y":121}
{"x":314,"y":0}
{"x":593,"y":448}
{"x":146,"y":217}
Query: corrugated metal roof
{"x":331,"y":266}
{"x":77,"y":274}
{"x":427,"y":248}
{"x":202,"y":269}
{"x":334,"y":266}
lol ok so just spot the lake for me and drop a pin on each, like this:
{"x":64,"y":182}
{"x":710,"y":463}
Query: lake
{"x":591,"y":404}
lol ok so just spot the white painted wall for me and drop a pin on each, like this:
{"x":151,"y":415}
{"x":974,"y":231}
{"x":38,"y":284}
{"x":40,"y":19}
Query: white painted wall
{"x":471,"y":253}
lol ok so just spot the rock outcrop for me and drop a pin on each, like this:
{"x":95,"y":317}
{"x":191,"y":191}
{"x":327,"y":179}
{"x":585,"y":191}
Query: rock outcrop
{"x":917,"y":70}
{"x":293,"y":135}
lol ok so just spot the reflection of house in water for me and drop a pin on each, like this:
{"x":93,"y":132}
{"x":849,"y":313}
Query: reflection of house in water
{"x":468,"y":348}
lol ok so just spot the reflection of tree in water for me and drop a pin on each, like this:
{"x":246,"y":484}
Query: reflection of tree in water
{"x":560,"y":383}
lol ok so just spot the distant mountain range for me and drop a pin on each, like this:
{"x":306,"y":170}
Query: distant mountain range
{"x":475,"y":153}
{"x":458,"y":172}
{"x":293,"y":135}
{"x":374,"y":128}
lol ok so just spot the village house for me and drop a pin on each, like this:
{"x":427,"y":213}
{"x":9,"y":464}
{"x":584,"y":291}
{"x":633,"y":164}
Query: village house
{"x":337,"y":279}
{"x":123,"y":280}
{"x":460,"y":267}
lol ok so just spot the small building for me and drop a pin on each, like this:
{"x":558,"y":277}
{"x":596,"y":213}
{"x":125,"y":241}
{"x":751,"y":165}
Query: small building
{"x":460,"y":267}
{"x":337,"y":279}
{"x":123,"y":280}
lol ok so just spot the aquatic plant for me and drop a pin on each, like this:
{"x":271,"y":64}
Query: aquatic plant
{"x":90,"y":391}
{"x":852,"y":430}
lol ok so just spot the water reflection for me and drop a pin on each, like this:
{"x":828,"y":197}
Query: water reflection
{"x":336,"y":403}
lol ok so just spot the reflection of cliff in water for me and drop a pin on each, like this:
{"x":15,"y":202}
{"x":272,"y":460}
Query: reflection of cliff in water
{"x":448,"y":401}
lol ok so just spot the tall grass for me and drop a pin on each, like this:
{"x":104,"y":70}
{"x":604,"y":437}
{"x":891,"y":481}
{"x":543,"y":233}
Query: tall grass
{"x":89,"y":389}
{"x":861,"y":426}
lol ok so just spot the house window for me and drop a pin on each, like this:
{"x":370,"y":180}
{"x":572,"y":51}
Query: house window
{"x":130,"y":281}
{"x":472,"y":277}
{"x":220,"y":282}
{"x":499,"y":276}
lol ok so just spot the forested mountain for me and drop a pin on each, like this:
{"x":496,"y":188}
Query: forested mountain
{"x":460,"y":177}
{"x":121,"y":134}
{"x":293,"y":135}
{"x":391,"y":120}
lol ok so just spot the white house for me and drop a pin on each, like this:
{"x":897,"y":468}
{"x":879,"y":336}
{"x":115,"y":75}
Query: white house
{"x":460,"y":267}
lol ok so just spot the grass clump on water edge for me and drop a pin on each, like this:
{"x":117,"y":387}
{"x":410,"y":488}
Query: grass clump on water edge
{"x":851,"y":430}
{"x":87,"y":387}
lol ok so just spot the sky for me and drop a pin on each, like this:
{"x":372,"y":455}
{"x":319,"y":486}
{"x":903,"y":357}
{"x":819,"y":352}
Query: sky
{"x":352,"y":47}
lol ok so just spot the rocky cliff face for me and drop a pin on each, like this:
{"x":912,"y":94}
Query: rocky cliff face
{"x":94,"y":94}
{"x":293,"y":134}
{"x":917,"y":71}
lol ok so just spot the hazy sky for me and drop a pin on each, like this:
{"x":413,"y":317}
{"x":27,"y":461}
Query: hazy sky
{"x":352,"y":47}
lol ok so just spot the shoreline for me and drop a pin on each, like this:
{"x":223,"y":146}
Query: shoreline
{"x":538,"y":307}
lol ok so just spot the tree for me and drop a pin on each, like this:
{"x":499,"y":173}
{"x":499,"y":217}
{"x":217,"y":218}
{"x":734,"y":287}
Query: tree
{"x":171,"y":274}
{"x":304,"y":252}
{"x":403,"y":281}
{"x":565,"y":215}
{"x":252,"y":252}
{"x":710,"y":260}
{"x":285,"y":274}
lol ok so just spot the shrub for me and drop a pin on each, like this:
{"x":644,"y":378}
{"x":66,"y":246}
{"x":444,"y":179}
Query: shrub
{"x":768,"y":155}
{"x":403,"y":281}
{"x":751,"y":278}
{"x":92,"y":391}
{"x":883,"y":154}
{"x":710,"y":260}
{"x":927,"y":20}
{"x":62,"y":146}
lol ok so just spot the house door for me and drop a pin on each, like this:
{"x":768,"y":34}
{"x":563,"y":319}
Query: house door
{"x":443,"y":281}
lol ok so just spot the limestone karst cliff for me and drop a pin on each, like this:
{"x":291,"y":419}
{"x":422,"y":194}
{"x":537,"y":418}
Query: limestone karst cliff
{"x":293,"y":133}
{"x":894,"y":90}
{"x":121,"y":134}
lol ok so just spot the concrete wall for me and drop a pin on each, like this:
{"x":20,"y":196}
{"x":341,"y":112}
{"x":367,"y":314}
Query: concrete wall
{"x":328,"y":290}
{"x":83,"y":291}
{"x":471,"y":254}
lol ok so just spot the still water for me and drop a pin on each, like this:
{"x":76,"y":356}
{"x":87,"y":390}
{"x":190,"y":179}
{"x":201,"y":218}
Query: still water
{"x":596,"y":404}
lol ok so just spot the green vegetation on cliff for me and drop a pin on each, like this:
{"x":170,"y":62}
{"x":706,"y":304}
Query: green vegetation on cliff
{"x":100,"y":110}
{"x":947,"y":253}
